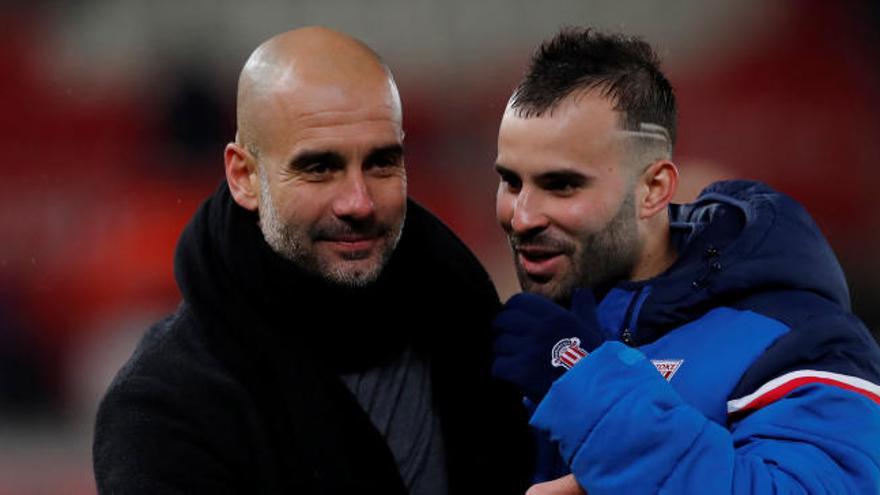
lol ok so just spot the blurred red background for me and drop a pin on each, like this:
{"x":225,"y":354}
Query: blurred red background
{"x":111,"y":139}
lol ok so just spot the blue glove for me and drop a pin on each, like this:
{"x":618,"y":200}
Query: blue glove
{"x":536,"y":340}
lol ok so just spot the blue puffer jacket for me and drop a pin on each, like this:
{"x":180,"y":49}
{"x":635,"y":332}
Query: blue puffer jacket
{"x":767,"y":383}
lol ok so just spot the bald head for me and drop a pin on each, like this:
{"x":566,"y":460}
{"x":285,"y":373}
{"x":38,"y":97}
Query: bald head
{"x":306,"y":71}
{"x":319,"y":154}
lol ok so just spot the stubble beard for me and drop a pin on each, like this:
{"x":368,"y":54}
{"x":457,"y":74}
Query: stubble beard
{"x":292,"y":243}
{"x":598,"y":260}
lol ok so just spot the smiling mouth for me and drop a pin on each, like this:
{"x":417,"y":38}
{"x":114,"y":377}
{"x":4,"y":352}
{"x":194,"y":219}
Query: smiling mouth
{"x":537,"y":255}
{"x":351,"y":244}
{"x":540,"y":264}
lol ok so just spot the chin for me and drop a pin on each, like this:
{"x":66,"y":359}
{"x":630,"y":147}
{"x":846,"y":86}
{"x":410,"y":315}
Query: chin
{"x":551,"y":289}
{"x":353,"y":273}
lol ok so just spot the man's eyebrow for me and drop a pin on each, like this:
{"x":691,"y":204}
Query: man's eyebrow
{"x":502,"y":170}
{"x":303,"y":159}
{"x":561,"y":174}
{"x":572,"y":176}
{"x":389,"y":150}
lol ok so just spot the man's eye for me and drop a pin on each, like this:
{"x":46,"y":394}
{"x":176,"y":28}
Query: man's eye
{"x":510,"y":182}
{"x":318,"y":168}
{"x":384,"y":162}
{"x":562,"y":186}
{"x":387,"y":161}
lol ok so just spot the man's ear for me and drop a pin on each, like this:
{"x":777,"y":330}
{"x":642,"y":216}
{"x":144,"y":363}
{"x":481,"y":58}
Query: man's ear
{"x":241,"y":175}
{"x":659,"y":182}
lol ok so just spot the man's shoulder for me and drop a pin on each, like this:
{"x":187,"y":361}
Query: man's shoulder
{"x":821,"y":337}
{"x":172,"y":417}
{"x":174,"y":358}
{"x":807,"y":315}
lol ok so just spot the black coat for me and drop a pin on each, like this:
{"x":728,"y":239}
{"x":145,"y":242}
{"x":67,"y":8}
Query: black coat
{"x":238,"y":390}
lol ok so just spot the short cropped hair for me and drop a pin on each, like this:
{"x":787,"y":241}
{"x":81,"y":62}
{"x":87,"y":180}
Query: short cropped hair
{"x":624,"y":68}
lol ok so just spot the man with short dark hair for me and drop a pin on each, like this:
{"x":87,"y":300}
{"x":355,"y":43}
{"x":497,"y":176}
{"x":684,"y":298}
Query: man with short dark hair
{"x":333,"y":336}
{"x":767,"y":382}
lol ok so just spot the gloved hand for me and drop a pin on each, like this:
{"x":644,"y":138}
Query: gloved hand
{"x":536,"y":340}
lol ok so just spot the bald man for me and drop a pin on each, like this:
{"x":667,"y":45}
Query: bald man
{"x":333,"y":335}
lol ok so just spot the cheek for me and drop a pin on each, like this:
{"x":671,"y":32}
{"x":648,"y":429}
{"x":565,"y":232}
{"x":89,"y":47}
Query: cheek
{"x":503,"y":206}
{"x":300,"y":215}
{"x":389,"y":195}
{"x":301,"y":204}
{"x":581,"y":217}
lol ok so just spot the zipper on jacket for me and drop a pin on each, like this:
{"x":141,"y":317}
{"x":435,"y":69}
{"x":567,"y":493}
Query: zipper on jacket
{"x":626,"y":333}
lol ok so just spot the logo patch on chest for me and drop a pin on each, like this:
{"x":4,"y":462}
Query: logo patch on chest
{"x":667,"y":367}
{"x":567,"y":352}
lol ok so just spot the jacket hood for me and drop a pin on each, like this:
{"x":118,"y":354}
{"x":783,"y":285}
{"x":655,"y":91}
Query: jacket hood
{"x":737,"y":239}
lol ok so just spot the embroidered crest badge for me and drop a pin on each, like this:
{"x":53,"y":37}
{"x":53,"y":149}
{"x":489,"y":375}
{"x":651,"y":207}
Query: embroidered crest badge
{"x":667,"y":367}
{"x":567,"y":352}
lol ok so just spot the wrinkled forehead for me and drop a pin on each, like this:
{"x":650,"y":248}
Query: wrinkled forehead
{"x":314,"y":97}
{"x":291,"y":107}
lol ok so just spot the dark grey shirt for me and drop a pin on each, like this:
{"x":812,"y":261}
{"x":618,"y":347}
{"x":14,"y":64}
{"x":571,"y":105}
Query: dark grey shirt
{"x":397,"y":397}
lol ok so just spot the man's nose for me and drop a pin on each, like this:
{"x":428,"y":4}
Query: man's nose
{"x":354,"y":199}
{"x":528,"y":215}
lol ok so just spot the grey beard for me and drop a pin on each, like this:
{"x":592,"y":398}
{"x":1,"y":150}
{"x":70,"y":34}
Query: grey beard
{"x":288,"y":242}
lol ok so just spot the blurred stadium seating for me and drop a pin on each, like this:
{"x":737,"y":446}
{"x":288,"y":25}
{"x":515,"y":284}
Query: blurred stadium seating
{"x":114,"y":115}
